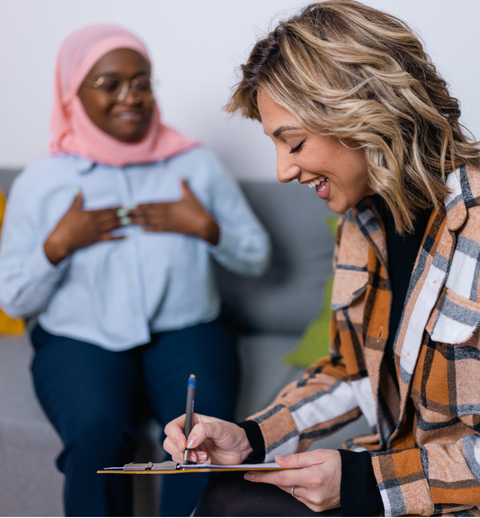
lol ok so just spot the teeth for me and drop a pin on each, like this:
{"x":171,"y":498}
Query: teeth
{"x":316,"y":181}
{"x":129,"y":115}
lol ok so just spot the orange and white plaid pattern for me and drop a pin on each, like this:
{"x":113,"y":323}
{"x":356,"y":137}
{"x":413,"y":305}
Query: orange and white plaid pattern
{"x":425,"y":441}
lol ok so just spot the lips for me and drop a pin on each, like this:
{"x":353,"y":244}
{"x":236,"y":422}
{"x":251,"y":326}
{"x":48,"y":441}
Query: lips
{"x":129,"y":116}
{"x":321,"y":185}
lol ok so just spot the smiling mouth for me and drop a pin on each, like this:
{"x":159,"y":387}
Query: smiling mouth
{"x":130,"y":116}
{"x":319,"y":183}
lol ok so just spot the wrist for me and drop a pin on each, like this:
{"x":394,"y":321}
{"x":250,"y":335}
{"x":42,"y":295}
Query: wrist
{"x":210,"y":231}
{"x":256,"y":442}
{"x":245,"y":448}
{"x":55,"y":251}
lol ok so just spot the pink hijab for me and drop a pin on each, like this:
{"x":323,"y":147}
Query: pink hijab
{"x":73,"y":131}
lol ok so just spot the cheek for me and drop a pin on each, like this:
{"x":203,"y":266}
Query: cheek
{"x":95,"y":107}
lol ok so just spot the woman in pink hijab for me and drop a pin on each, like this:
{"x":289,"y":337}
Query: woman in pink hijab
{"x":110,"y":240}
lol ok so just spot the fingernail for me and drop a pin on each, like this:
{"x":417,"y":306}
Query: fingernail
{"x":191,"y":441}
{"x":280,"y":457}
{"x":76,"y":190}
{"x":131,"y":206}
{"x":202,"y":457}
{"x":125,"y":221}
{"x":121,"y":213}
{"x":180,"y":446}
{"x":249,"y":476}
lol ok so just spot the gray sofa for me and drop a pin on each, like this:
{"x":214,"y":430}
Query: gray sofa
{"x":271,"y":312}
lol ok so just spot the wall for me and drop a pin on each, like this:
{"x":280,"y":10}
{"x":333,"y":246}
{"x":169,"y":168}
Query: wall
{"x":197,"y":47}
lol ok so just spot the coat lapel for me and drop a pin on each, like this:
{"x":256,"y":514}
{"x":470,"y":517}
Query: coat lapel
{"x":427,"y":281}
{"x":376,"y":310}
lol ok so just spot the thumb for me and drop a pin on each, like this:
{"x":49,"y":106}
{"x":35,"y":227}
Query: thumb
{"x":77,"y":203}
{"x":186,"y":191}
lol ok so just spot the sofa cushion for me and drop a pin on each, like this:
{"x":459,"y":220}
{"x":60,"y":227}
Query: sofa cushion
{"x":289,"y":295}
{"x":6,"y":178}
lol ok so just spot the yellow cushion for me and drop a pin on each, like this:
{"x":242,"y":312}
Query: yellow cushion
{"x":315,"y":341}
{"x":8,"y":325}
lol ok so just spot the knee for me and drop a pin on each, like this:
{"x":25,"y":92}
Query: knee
{"x":97,"y":444}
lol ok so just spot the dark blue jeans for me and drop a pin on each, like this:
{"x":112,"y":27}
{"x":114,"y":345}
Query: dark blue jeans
{"x":94,"y":397}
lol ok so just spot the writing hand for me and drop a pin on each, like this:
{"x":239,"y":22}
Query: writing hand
{"x":317,"y":482}
{"x":211,"y":440}
{"x":80,"y":228}
{"x":186,"y":216}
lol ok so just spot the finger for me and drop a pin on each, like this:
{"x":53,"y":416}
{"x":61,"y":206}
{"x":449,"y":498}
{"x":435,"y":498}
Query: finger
{"x":77,"y":203}
{"x":177,"y":456}
{"x":139,"y":211}
{"x":186,"y":191}
{"x":276,"y":478}
{"x":283,"y":478}
{"x":301,"y":460}
{"x":106,"y":236}
{"x":139,"y":219}
{"x":109,"y":225}
{"x":202,"y":457}
{"x":170,"y":447}
{"x":201,"y":432}
{"x":174,"y":430}
{"x":144,"y":207}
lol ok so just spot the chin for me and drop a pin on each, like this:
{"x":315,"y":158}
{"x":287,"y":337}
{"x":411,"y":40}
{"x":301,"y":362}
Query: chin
{"x":130,"y":137}
{"x":127,"y":132}
{"x":338,"y":206}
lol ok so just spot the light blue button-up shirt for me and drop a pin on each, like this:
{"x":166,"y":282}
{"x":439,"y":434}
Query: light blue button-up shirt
{"x":116,"y":293}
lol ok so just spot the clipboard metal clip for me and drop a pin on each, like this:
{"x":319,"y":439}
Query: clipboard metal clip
{"x":152,"y":466}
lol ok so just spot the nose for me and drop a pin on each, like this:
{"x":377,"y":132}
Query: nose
{"x":287,"y":170}
{"x":129,"y":95}
{"x":132,"y":96}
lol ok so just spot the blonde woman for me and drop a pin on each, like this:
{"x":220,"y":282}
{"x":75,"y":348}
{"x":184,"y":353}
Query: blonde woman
{"x":357,"y":110}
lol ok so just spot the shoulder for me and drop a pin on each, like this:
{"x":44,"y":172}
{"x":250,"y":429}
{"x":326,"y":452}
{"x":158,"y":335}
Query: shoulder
{"x":45,"y":174}
{"x":200,"y":160}
{"x":49,"y":167}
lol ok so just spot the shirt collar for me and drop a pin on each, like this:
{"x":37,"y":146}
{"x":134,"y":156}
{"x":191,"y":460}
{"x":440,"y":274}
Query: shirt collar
{"x":83,"y":165}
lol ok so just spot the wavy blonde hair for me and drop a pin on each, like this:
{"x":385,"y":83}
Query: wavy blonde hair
{"x":348,"y":70}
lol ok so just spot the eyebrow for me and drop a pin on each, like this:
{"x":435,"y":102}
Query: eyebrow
{"x":281,"y":129}
{"x":116,"y":74}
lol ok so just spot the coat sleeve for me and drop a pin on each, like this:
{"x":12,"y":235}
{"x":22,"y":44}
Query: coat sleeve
{"x":431,"y":479}
{"x":244,"y":245}
{"x":27,"y":278}
{"x":321,"y":403}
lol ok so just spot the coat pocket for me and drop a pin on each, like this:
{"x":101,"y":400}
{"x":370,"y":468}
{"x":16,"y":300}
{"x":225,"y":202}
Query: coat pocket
{"x":348,"y":285}
{"x":456,"y":320}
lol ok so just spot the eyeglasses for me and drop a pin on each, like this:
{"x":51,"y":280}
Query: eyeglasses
{"x":117,"y":89}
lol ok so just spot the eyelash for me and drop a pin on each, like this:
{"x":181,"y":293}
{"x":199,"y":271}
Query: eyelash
{"x":299,"y":147}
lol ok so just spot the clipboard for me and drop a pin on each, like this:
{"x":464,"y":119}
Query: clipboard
{"x":169,"y":468}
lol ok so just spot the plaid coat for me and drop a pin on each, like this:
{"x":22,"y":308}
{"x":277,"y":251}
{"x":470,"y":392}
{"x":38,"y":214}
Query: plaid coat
{"x":425,"y":441}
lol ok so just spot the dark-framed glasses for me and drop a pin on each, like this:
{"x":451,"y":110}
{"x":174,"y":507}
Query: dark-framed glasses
{"x":117,"y":88}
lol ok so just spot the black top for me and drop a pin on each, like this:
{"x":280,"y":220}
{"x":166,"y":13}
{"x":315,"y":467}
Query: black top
{"x":402,"y":252}
{"x":359,"y":494}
